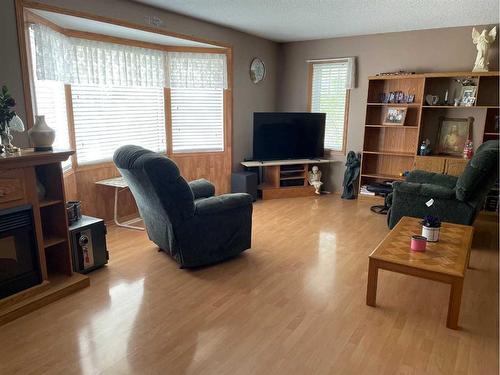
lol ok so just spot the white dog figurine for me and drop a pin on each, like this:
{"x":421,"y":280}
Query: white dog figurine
{"x":482,"y":42}
{"x":315,"y":179}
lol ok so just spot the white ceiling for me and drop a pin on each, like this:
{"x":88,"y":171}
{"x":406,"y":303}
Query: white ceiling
{"x":83,"y":24}
{"x":294,"y":20}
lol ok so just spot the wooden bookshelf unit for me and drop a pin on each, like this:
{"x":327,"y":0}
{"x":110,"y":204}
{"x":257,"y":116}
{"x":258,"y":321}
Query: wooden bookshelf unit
{"x":390,"y":150}
{"x":22,"y":172}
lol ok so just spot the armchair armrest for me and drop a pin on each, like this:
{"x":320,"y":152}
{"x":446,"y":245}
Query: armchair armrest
{"x":202,"y":188}
{"x":221,"y":203}
{"x":423,"y":190}
{"x":423,"y":177}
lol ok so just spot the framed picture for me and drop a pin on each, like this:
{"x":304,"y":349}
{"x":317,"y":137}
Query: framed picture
{"x":395,"y":116}
{"x":452,"y":135}
{"x":468,"y":95}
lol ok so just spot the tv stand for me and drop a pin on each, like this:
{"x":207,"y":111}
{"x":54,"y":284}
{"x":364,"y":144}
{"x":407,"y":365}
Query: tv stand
{"x":285,"y":178}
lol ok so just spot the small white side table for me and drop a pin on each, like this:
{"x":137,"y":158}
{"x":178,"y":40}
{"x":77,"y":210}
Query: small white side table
{"x":119,"y":184}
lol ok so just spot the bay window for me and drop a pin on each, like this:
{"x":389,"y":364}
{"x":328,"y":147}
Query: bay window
{"x":115,"y":95}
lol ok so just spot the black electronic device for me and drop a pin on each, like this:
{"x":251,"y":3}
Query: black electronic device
{"x":288,"y":135}
{"x":88,"y":244}
{"x":244,"y":182}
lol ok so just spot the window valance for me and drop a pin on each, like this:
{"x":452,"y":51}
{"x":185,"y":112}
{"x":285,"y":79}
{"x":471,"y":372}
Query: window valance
{"x":80,"y":61}
{"x":197,"y":70}
{"x":345,"y":64}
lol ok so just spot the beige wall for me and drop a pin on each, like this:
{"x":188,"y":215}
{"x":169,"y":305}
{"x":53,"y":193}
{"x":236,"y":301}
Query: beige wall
{"x":285,"y":87}
{"x":437,"y":50}
{"x":247,"y":97}
{"x":10,"y":65}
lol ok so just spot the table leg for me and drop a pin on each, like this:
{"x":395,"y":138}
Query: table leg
{"x":454,"y":304}
{"x":115,"y":207}
{"x":115,"y":215}
{"x":371,"y":288}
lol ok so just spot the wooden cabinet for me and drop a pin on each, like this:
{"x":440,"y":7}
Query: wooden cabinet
{"x":20,"y":174}
{"x":430,"y":164}
{"x":11,"y":187}
{"x":455,"y":167}
{"x":389,"y":149}
{"x":440,"y":164}
{"x":285,"y":178}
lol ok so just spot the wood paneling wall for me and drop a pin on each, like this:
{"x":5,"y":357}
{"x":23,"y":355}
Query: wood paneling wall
{"x":70,"y":186}
{"x":98,"y":200}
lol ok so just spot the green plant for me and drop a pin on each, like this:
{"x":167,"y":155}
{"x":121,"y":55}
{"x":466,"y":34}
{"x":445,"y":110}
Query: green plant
{"x":7,"y":102}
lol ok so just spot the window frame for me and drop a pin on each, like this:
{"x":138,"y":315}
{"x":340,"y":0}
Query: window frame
{"x":310,"y":71}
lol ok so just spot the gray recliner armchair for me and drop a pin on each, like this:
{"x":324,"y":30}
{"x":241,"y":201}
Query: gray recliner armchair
{"x":185,"y":219}
{"x":456,"y":199}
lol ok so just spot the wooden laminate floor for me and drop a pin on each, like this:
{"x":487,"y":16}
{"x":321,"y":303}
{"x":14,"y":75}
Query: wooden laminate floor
{"x":293,"y":304}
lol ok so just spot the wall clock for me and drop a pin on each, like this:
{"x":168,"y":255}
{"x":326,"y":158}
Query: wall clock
{"x":257,"y":70}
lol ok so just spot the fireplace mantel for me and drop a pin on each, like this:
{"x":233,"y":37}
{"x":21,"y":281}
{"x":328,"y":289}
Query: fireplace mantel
{"x":29,"y":157}
{"x":19,"y":175}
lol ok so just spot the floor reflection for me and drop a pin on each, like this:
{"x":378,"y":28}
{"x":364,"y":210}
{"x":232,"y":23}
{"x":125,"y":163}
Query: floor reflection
{"x":320,"y":277}
{"x":115,"y":321}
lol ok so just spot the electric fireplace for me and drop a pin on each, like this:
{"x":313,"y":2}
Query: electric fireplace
{"x":19,"y":265}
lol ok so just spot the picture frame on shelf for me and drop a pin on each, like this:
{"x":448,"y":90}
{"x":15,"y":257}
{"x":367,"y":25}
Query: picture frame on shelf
{"x":452,"y":135}
{"x":395,"y":116}
{"x":468,"y":95}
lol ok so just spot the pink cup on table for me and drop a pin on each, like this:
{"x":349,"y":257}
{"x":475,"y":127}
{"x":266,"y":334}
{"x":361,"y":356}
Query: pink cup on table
{"x":418,"y":243}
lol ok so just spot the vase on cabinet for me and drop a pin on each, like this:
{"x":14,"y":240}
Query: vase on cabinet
{"x":41,"y":135}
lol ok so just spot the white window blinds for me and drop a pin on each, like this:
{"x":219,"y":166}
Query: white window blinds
{"x":329,"y":93}
{"x":50,"y":101}
{"x":108,"y":117}
{"x":197,"y":119}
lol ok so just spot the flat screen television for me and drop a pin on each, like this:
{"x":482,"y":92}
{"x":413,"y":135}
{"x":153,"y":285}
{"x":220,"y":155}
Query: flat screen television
{"x":288,"y":135}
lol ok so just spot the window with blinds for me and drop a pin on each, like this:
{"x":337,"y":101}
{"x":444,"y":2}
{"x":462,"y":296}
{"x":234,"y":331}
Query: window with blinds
{"x":329,"y":95}
{"x":107,"y":117}
{"x":197,"y":119}
{"x":50,"y":101}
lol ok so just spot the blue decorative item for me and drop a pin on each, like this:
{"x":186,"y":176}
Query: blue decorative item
{"x":425,"y":148}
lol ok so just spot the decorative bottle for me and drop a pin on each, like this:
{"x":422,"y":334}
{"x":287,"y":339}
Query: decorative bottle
{"x":468,"y":149}
{"x":41,"y":135}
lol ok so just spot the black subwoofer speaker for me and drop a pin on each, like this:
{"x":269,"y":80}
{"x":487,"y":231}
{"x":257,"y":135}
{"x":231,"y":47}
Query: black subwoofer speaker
{"x":244,"y":182}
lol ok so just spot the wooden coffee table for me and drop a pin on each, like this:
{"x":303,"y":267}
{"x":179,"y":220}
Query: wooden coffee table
{"x":445,"y":261}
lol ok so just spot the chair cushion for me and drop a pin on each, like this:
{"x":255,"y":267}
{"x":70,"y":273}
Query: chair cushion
{"x":202,"y":188}
{"x":478,"y":171}
{"x":425,"y":190}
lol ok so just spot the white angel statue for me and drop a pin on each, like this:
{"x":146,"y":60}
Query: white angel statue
{"x":314,"y":179}
{"x":482,"y":42}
